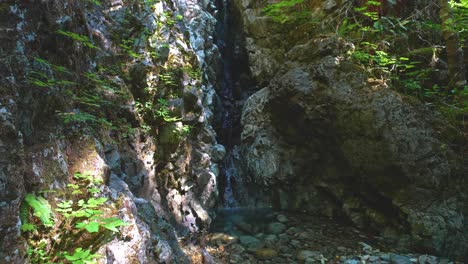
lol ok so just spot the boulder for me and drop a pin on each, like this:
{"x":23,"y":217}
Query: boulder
{"x":322,"y":136}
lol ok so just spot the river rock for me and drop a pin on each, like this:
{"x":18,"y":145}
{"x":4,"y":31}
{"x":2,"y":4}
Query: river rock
{"x":250,"y":242}
{"x":282,"y":218}
{"x":221,"y":239}
{"x":270,"y":239}
{"x":276,"y":228}
{"x":426,"y":259}
{"x":399,"y":259}
{"x":307,"y":254}
{"x":265,"y":253}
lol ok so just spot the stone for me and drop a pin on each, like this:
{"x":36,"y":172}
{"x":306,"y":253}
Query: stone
{"x":250,"y":242}
{"x":385,"y":257}
{"x":311,"y":94}
{"x":307,"y":254}
{"x":426,"y":259}
{"x":265,"y":253}
{"x":282,"y":218}
{"x":221,"y":239}
{"x":283,"y":237}
{"x":341,"y":248}
{"x":329,"y":4}
{"x":113,"y":160}
{"x":218,"y":152}
{"x":270,"y":238}
{"x":276,"y":228}
{"x":399,"y":259}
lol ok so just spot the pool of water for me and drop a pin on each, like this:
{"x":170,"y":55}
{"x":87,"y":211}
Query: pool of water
{"x":239,"y":221}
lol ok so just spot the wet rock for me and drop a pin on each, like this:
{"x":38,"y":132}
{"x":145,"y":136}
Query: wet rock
{"x":248,"y":228}
{"x":221,"y":239}
{"x":276,"y":228}
{"x":307,"y":254}
{"x":250,"y":242}
{"x":265,"y":253}
{"x":399,"y":259}
{"x":282,"y":218}
{"x":341,"y":248}
{"x":425,"y":259}
{"x":218,"y":152}
{"x":270,"y":238}
{"x":283,"y":237}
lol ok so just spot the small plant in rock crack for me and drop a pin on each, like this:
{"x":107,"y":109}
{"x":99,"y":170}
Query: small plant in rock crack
{"x":73,"y":229}
{"x":163,"y":112}
{"x":84,"y":40}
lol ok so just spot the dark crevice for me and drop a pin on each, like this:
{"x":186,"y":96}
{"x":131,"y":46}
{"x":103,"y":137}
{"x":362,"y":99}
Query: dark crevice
{"x":234,"y":87}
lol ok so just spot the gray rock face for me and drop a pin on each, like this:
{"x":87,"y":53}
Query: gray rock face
{"x":323,"y":137}
{"x":38,"y":151}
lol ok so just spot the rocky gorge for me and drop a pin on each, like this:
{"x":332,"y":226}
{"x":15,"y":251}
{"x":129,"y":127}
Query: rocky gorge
{"x":216,"y":136}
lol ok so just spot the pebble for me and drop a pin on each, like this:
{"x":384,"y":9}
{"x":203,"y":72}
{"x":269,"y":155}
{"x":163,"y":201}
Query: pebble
{"x":282,"y":218}
{"x":399,"y":259}
{"x":280,"y":242}
{"x":283,"y":238}
{"x":425,"y":259}
{"x":250,"y":241}
{"x":276,"y":228}
{"x":221,"y":239}
{"x":270,"y":239}
{"x":340,"y":248}
{"x":293,"y":230}
{"x":307,"y":254}
{"x":265,"y":253}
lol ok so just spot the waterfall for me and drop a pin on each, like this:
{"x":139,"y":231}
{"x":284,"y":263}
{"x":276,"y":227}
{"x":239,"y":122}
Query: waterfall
{"x":231,"y":100}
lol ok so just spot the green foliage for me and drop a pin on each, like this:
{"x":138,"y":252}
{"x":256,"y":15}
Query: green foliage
{"x":193,"y":72}
{"x":80,"y":218}
{"x":84,"y":40}
{"x":287,"y":11}
{"x":81,"y":256}
{"x":96,"y":2}
{"x":41,"y":209}
{"x":79,"y":117}
{"x":365,"y":10}
{"x":42,"y":79}
{"x":183,"y":131}
{"x":38,"y":254}
{"x":381,"y":40}
{"x":57,"y":68}
{"x":128,"y":46}
{"x":459,"y":23}
{"x":163,"y":112}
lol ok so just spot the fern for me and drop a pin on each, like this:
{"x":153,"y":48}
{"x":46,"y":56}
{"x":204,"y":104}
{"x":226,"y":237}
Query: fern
{"x":41,"y":209}
{"x":79,"y":38}
{"x":24,"y":217}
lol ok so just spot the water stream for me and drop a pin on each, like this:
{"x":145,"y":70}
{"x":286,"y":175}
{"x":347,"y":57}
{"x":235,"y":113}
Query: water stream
{"x":231,"y":99}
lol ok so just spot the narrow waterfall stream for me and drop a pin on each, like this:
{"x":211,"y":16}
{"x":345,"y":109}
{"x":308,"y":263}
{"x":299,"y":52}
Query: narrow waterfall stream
{"x":234,"y":74}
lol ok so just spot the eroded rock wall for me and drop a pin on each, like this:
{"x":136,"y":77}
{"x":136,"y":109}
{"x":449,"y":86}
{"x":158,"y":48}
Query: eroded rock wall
{"x":324,"y":137}
{"x":123,"y":89}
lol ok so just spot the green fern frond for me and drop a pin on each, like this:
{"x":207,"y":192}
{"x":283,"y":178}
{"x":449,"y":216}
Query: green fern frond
{"x":41,"y":209}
